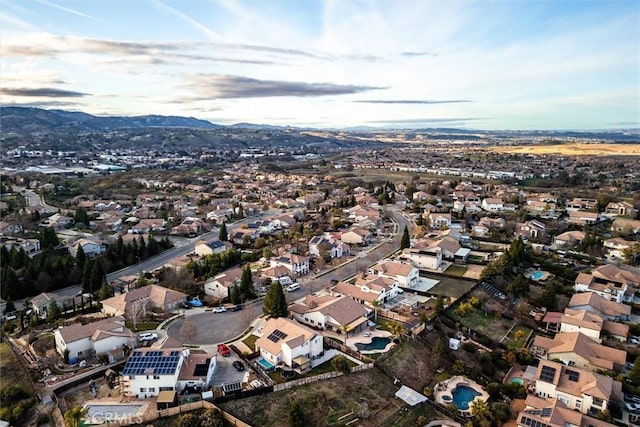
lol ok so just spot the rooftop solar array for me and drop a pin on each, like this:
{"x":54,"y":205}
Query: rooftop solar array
{"x":547,"y":374}
{"x":276,"y":335}
{"x":231,"y":387}
{"x":573,"y":375}
{"x":152,"y":363}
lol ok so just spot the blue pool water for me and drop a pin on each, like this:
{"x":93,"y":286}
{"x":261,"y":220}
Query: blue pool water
{"x":536,"y":275}
{"x":268,"y":366}
{"x":518,"y":381}
{"x":377,"y":343}
{"x":462,"y":395}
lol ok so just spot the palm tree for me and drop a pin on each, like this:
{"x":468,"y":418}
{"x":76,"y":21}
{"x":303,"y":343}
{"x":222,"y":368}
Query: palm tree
{"x":480,"y":409}
{"x":376,"y":304}
{"x":73,"y":417}
{"x":396,"y":329}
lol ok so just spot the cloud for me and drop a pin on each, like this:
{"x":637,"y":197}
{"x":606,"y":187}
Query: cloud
{"x":416,"y":54}
{"x":68,"y":10}
{"x":227,"y":86}
{"x":430,"y":122}
{"x":202,"y":28}
{"x":44,"y":92}
{"x":412,"y":101}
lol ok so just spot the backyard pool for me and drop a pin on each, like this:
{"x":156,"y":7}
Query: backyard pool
{"x":377,"y":343}
{"x":517,"y":381}
{"x":538,"y":275}
{"x":462,"y":395}
{"x":266,"y":365}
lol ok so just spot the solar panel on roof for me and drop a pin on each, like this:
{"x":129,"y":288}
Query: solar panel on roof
{"x":547,"y":374}
{"x":276,"y":335}
{"x":545,"y":412}
{"x":153,"y":362}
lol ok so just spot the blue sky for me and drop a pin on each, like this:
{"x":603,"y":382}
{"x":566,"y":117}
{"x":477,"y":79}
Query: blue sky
{"x":540,"y":64}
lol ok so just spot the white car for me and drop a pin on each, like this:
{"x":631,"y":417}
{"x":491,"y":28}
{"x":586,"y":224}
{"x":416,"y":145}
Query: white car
{"x":148,"y":336}
{"x":219,"y":309}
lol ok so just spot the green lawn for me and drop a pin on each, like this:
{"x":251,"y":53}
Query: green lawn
{"x":456,"y":270}
{"x":250,"y":341}
{"x":513,"y":341}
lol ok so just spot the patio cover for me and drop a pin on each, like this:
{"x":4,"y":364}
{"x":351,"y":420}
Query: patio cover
{"x":166,"y":396}
{"x":410,"y":396}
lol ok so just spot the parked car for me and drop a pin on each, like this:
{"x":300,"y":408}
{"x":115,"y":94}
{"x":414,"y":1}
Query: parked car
{"x":235,"y":308}
{"x":238,"y":365}
{"x":224,"y":350}
{"x":634,"y":341}
{"x":195,"y":302}
{"x":219,"y":309}
{"x":632,"y":407}
{"x":148,"y":336}
{"x":293,"y":287}
{"x":262,"y":290}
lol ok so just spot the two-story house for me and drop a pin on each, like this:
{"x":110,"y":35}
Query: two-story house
{"x":220,"y":285}
{"x":298,"y":265}
{"x":405,"y":274}
{"x":341,"y":314}
{"x":104,"y":337}
{"x":285,"y":342}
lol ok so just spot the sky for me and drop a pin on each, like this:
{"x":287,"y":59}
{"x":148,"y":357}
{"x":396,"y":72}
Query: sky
{"x":517,"y":64}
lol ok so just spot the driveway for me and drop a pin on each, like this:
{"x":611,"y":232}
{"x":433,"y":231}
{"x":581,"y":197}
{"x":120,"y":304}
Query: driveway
{"x":215,"y":328}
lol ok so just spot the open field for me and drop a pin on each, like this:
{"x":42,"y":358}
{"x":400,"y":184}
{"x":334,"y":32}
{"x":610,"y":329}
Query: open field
{"x":11,"y":371}
{"x":573,"y":149}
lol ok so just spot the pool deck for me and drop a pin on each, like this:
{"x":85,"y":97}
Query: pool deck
{"x":361,"y":339}
{"x":446,"y":387}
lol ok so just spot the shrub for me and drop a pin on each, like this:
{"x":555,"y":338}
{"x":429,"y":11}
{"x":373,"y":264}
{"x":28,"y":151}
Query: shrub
{"x":12,"y":394}
{"x":469,"y":347}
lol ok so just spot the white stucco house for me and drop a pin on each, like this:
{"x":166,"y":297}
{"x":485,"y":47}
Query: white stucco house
{"x":285,"y":342}
{"x":104,"y":337}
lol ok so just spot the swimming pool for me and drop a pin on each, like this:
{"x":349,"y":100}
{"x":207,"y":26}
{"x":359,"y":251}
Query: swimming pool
{"x":462,"y":395}
{"x":536,"y":275}
{"x":377,"y":343}
{"x":517,"y":381}
{"x":266,"y":365}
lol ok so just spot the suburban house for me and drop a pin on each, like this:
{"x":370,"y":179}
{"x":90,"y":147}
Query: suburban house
{"x":369,"y":290}
{"x":595,"y":303}
{"x":581,"y":203}
{"x":405,"y":274}
{"x":577,"y":349}
{"x":492,"y":204}
{"x":613,"y":282}
{"x":297,"y":265}
{"x":340,"y":314}
{"x":532,"y":229}
{"x":142,"y":299}
{"x":486,"y":225}
{"x":58,"y":222}
{"x":334,"y":248}
{"x":89,"y":247}
{"x":569,"y":239}
{"x":592,"y":325}
{"x":439,"y":220}
{"x":583,"y":218}
{"x":220,"y":285}
{"x":619,"y":247}
{"x":581,"y":390}
{"x":619,"y":209}
{"x":66,"y":299}
{"x":204,"y":248}
{"x":30,"y":246}
{"x":357,"y":236}
{"x":150,"y":371}
{"x":626,"y":226}
{"x":541,"y":209}
{"x":105,"y":337}
{"x":285,"y":342}
{"x":429,"y":258}
{"x":191,"y":226}
{"x":552,"y":412}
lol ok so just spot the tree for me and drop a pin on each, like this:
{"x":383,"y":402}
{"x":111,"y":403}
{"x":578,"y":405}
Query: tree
{"x":376,"y":304}
{"x":188,"y":330}
{"x":136,"y":311}
{"x":500,"y":412}
{"x":341,"y":364}
{"x":296,"y":415}
{"x":81,"y":216}
{"x":105,"y":292}
{"x":97,"y":278}
{"x":439,"y":305}
{"x":53,"y":311}
{"x":480,"y":409}
{"x":275,"y":302}
{"x":246,"y":284}
{"x":396,"y":329}
{"x":223,"y":236}
{"x":81,"y":257}
{"x":9,"y":306}
{"x":634,"y":375}
{"x":235,"y":295}
{"x":73,"y":417}
{"x":405,"y":242}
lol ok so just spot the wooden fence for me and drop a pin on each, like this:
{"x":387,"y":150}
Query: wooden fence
{"x":316,"y":378}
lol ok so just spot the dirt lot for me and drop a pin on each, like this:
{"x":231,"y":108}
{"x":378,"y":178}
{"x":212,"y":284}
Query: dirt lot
{"x":368,"y":396}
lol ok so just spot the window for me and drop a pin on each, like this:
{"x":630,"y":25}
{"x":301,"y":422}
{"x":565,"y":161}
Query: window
{"x":143,"y":389}
{"x":578,"y":404}
{"x":597,"y":401}
{"x":152,"y":389}
{"x":573,"y":375}
{"x":156,"y":377}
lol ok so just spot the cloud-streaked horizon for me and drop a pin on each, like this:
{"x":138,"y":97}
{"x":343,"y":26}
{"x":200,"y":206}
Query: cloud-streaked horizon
{"x":42,"y":92}
{"x":530,"y":65}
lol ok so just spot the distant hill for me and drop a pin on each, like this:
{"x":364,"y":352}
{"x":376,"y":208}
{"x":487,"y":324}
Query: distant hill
{"x":28,"y":120}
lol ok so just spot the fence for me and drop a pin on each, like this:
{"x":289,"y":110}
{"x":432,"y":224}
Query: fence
{"x":163,"y":413}
{"x":328,"y":342}
{"x":316,"y":378}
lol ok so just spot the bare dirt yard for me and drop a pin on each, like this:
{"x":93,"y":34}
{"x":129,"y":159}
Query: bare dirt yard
{"x":367,"y":396}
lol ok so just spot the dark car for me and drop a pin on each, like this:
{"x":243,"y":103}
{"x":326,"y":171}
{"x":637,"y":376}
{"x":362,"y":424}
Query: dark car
{"x":236,"y":308}
{"x":238,"y":365}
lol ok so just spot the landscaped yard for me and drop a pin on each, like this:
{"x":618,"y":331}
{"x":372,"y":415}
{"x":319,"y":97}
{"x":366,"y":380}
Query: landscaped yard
{"x":517,"y":337}
{"x":250,"y":341}
{"x":456,"y":270}
{"x":489,"y":324}
{"x":142,"y":326}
